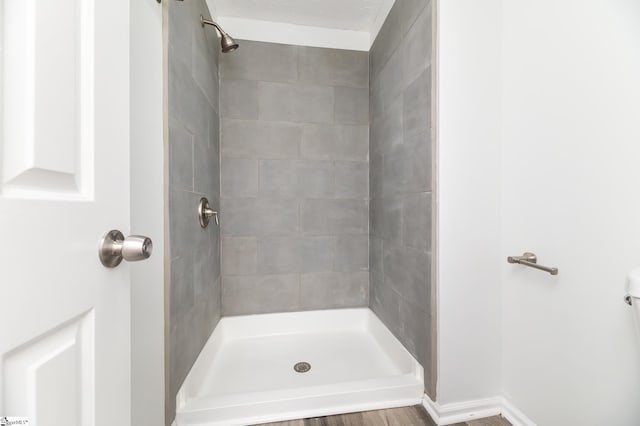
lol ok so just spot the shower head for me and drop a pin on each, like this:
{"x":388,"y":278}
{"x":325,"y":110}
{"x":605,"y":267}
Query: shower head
{"x":227,"y":42}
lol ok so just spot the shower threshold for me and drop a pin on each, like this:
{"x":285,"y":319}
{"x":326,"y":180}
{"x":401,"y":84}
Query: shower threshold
{"x":275,"y":367}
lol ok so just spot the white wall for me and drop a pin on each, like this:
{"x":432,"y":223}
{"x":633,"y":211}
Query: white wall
{"x":147,"y":207}
{"x":469,"y":209}
{"x":300,"y":35}
{"x":561,"y":178}
{"x":571,"y":194}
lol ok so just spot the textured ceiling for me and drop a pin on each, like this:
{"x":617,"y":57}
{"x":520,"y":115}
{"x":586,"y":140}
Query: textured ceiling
{"x":356,"y":15}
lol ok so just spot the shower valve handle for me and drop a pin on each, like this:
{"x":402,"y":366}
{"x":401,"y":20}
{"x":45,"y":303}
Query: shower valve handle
{"x":205,"y":213}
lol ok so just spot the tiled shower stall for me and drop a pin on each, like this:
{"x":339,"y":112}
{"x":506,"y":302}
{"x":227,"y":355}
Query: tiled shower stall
{"x":295,"y":173}
{"x":320,"y":162}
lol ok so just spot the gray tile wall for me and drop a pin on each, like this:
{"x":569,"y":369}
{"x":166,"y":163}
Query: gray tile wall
{"x":295,"y":178}
{"x":400,"y":176}
{"x":194,"y":288}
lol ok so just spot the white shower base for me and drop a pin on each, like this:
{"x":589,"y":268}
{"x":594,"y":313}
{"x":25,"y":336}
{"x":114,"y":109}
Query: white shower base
{"x":244,"y":375}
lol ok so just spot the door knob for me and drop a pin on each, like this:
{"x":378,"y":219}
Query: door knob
{"x":114,"y":247}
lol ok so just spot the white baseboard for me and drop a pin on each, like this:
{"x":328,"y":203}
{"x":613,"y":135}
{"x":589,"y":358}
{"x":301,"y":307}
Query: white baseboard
{"x":458,"y":412}
{"x":515,"y":416}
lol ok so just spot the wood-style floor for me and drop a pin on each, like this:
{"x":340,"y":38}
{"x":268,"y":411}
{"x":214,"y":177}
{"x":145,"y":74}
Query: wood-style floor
{"x":408,"y":416}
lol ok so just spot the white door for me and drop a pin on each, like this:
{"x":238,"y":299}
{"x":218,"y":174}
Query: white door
{"x":64,"y":182}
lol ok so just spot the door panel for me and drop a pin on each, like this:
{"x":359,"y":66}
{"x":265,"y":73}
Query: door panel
{"x":64,"y":182}
{"x":52,"y":376}
{"x":48,"y":96}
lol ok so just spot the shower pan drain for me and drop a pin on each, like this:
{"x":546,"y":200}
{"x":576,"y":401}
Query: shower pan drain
{"x":302,"y":367}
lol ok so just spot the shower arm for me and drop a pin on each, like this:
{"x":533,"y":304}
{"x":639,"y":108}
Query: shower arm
{"x":227,"y":42}
{"x":204,"y":21}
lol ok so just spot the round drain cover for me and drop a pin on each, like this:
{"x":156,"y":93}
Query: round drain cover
{"x":302,"y":367}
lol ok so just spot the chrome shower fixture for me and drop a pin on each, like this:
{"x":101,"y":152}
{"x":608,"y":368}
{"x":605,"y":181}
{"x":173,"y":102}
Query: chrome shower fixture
{"x":227,"y":42}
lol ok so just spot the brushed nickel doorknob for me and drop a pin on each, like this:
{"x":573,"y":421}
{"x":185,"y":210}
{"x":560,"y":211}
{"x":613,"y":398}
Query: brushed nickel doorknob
{"x":114,"y":247}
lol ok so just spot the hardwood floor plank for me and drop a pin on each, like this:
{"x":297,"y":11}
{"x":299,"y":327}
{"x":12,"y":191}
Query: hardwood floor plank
{"x":375,"y":418}
{"x":289,"y":423}
{"x":409,"y":416}
{"x":406,"y":416}
{"x":354,"y":419}
{"x":490,"y":421}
